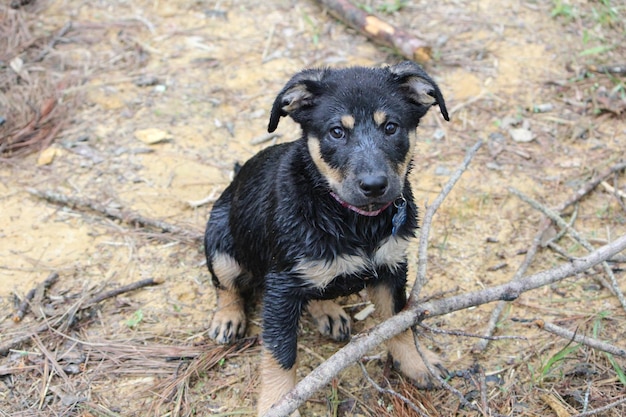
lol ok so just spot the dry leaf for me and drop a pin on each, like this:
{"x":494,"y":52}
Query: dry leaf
{"x":47,"y":156}
{"x":152,"y":136}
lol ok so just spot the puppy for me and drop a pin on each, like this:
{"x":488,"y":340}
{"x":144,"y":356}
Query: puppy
{"x":324,"y":216}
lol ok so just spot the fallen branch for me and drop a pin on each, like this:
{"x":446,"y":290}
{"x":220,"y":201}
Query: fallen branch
{"x":378,"y":30}
{"x":128,"y":217}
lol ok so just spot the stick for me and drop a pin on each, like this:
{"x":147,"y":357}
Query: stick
{"x":378,"y":30}
{"x":127,"y":217}
{"x":25,"y":304}
{"x":588,"y":341}
{"x":55,"y":39}
{"x":420,"y":279}
{"x":363,"y":343}
{"x":121,"y":290}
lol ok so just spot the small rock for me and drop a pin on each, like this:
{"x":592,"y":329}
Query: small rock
{"x":442,"y":171}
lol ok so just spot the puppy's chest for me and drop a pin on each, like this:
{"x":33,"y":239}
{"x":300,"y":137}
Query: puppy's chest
{"x":320,"y":273}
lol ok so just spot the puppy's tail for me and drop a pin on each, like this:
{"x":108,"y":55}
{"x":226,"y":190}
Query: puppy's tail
{"x":236,"y":168}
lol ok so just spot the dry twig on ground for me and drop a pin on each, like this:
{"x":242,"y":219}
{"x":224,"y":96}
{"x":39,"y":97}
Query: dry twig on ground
{"x":578,"y":338}
{"x":25,"y":304}
{"x":126,"y":216}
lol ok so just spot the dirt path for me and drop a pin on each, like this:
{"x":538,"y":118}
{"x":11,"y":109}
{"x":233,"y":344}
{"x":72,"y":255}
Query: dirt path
{"x":202,"y":76}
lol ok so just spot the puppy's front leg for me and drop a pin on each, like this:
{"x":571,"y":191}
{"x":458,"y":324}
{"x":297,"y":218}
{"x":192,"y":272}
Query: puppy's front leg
{"x":389,"y":298}
{"x":281,"y":312}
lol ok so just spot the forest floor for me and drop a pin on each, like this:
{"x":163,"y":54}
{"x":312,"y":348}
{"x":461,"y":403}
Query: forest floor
{"x":143,"y":107}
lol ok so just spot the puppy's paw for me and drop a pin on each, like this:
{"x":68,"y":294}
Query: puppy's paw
{"x":228,"y":325}
{"x":330,"y":318}
{"x":408,"y":361}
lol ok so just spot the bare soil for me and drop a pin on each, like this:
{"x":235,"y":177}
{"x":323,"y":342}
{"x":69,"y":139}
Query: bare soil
{"x":202,"y":76}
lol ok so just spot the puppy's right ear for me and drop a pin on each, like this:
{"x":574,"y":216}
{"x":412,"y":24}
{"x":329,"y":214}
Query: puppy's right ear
{"x":298,"y":94}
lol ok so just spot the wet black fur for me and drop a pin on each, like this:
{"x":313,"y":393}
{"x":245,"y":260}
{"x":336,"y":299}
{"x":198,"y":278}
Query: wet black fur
{"x":278,"y":209}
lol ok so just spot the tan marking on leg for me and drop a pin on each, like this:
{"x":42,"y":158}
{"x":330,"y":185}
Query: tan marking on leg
{"x":226,"y":269}
{"x":382,"y":298}
{"x":380,"y":117}
{"x":408,"y":360}
{"x":275,"y":383}
{"x":348,"y":121}
{"x":332,"y":175}
{"x":402,"y":347}
{"x":330,"y":318}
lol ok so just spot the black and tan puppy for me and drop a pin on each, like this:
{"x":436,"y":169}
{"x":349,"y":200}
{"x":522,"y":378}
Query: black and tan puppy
{"x":324,"y":216}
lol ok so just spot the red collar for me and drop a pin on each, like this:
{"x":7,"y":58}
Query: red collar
{"x":358,"y":210}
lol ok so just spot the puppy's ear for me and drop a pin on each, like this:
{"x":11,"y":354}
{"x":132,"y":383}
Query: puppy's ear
{"x":421,"y":88}
{"x":298,"y":93}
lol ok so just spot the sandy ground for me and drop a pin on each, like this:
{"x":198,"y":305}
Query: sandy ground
{"x":216,"y":68}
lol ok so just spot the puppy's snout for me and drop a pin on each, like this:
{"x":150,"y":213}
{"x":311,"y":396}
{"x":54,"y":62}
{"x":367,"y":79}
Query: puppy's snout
{"x":373,"y":185}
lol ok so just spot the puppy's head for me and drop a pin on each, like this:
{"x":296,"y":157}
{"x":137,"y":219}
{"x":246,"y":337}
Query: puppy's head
{"x":359,"y":124}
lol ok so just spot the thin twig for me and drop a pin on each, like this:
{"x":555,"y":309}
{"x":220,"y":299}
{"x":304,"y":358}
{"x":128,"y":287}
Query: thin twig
{"x":121,"y":290}
{"x":601,"y":409}
{"x":591,"y":185}
{"x":420,"y":279}
{"x":391,"y":392}
{"x":465,"y":334}
{"x":55,"y":39}
{"x":574,"y":336}
{"x":433,"y":372}
{"x":561,"y":223}
{"x":25,"y":304}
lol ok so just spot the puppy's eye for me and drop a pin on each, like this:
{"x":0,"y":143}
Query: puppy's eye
{"x":337,"y":132}
{"x":391,"y":128}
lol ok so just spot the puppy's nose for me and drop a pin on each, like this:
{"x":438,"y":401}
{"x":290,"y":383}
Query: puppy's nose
{"x":373,"y":185}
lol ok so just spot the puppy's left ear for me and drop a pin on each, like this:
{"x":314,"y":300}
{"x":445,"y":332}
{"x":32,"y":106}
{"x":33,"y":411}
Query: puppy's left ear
{"x":421,"y":88}
{"x":297,"y":95}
